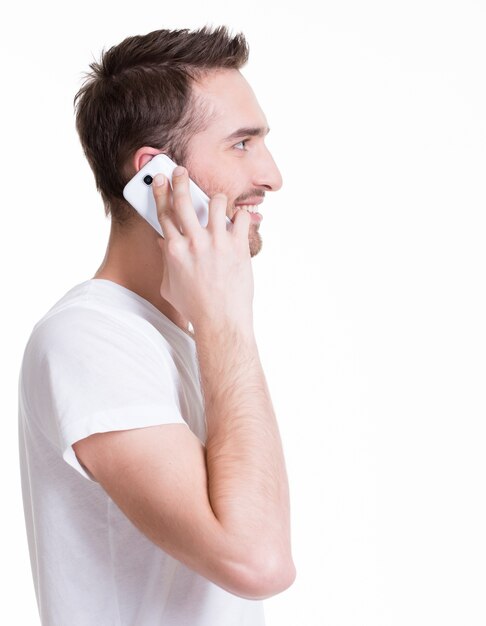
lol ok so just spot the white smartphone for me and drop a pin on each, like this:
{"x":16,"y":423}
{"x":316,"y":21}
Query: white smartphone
{"x":138,"y":192}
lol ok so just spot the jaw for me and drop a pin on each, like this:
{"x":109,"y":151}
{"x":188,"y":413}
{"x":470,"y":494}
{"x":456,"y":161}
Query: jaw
{"x":254,"y":240}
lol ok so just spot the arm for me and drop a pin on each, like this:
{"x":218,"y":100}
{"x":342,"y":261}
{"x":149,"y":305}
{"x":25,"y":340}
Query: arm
{"x":247,"y":481}
{"x":222,"y":510}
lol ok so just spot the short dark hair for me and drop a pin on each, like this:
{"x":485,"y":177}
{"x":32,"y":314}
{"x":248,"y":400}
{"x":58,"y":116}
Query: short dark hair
{"x":140,"y":94}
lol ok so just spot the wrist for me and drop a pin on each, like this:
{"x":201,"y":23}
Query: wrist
{"x":222,"y":328}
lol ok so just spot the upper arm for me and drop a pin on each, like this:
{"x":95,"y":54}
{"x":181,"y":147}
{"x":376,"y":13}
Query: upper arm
{"x":157,"y":476}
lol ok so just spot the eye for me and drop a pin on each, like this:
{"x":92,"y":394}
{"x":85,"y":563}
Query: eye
{"x":241,"y":145}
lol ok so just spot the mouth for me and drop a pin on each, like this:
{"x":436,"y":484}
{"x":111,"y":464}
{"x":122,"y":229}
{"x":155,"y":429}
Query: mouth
{"x":251,"y":207}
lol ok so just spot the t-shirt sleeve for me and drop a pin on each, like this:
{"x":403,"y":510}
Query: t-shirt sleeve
{"x":98,"y":373}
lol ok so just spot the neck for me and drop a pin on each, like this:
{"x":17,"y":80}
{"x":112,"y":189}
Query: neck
{"x":134,"y":260}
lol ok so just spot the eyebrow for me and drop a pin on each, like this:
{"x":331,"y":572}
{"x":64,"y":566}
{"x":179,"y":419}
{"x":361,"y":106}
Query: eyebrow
{"x":248,"y":131}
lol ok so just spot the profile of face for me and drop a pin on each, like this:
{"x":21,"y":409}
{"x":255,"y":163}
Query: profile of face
{"x":230,"y":156}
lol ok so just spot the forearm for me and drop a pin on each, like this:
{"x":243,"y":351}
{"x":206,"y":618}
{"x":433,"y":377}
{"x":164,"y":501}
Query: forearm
{"x":247,"y":479}
{"x":208,"y":279}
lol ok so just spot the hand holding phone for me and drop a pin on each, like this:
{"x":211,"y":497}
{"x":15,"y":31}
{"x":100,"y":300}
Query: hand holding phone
{"x":207,"y":273}
{"x":138,"y":192}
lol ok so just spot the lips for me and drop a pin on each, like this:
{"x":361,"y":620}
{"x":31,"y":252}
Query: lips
{"x":251,"y":205}
{"x":256,"y":217}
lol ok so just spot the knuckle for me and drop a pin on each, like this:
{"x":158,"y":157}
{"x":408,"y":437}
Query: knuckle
{"x":173,"y":248}
{"x":160,"y":193}
{"x":179,"y":189}
{"x":196,"y":244}
{"x":179,"y":182}
{"x":162,"y":212}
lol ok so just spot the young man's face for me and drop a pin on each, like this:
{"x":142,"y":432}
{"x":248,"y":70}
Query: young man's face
{"x":230,"y":155}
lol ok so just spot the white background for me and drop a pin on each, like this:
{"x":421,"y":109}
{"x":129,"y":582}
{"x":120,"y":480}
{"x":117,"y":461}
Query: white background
{"x":370,"y":302}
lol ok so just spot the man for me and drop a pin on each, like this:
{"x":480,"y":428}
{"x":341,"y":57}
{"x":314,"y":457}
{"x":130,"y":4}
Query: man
{"x":154,"y":482}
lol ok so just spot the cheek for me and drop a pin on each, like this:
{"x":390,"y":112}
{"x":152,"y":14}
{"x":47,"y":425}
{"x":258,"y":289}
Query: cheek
{"x":214,"y":180}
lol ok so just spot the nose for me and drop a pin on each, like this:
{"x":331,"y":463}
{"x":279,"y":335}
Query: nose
{"x":267,"y":175}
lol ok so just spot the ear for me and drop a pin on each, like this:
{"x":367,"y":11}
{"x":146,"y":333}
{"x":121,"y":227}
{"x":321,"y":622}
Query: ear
{"x":142,"y":156}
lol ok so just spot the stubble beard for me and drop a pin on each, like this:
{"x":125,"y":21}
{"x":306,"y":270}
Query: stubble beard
{"x":254,"y":240}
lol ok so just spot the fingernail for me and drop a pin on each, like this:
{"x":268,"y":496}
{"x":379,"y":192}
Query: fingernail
{"x":179,"y":170}
{"x":159,"y":180}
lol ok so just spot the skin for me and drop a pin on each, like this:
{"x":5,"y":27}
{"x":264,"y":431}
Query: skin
{"x":241,"y":168}
{"x":222,"y":159}
{"x":222,"y":508}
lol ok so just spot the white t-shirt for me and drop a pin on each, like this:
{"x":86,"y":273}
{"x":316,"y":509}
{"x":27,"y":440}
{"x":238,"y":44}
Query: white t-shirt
{"x":104,"y":359}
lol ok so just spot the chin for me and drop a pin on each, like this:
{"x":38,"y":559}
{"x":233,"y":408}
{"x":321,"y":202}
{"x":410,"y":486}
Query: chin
{"x":255,"y":241}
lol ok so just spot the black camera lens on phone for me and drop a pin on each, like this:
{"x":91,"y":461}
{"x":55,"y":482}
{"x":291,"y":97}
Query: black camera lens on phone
{"x":147,"y":179}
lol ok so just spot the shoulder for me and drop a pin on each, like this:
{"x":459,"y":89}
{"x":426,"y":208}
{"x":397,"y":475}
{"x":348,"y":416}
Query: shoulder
{"x":89,"y":323}
{"x":88,"y":355}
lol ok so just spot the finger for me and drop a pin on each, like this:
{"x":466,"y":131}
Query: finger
{"x":241,"y":224}
{"x":182,"y":203}
{"x":217,"y":213}
{"x":162,"y":196}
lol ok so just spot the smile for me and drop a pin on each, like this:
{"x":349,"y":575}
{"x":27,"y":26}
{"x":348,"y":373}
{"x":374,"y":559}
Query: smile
{"x":251,"y":208}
